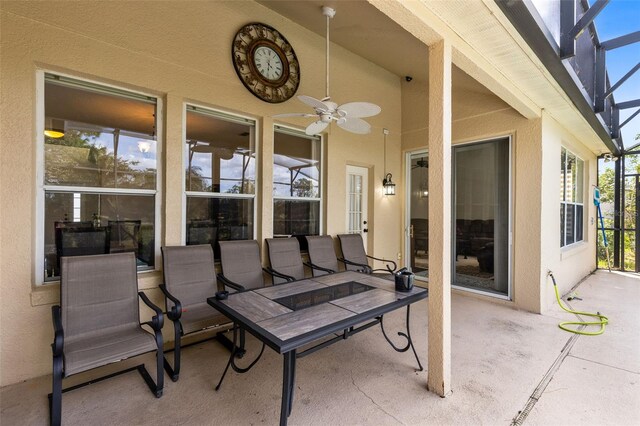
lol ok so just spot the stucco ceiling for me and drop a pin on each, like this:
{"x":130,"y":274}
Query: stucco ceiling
{"x":361,"y":29}
{"x":364,"y":30}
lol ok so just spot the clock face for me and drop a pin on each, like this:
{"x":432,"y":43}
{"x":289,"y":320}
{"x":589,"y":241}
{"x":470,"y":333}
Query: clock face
{"x":266,"y":63}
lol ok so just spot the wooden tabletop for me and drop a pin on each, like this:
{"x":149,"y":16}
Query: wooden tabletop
{"x":284,"y":329}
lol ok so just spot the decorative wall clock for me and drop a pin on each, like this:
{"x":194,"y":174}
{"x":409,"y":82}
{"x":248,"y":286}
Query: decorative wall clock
{"x":265,"y":62}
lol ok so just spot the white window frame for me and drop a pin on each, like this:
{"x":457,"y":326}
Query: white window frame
{"x":565,"y":204}
{"x":41,"y":188}
{"x":222,"y":115}
{"x":300,"y":133}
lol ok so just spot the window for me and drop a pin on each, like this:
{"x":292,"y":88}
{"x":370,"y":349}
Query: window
{"x":296,"y":183}
{"x":100,"y":172}
{"x":220,"y":178}
{"x":571,"y":198}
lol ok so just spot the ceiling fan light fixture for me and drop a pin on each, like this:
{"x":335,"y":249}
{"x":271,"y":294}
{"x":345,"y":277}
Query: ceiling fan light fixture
{"x":144,"y":146}
{"x":54,"y":128}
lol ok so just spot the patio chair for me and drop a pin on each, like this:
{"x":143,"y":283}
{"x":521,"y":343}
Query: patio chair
{"x":322,"y":256}
{"x":98,"y":321}
{"x":285,"y":258}
{"x":242,"y":267}
{"x":356,"y":259}
{"x":189,"y":278}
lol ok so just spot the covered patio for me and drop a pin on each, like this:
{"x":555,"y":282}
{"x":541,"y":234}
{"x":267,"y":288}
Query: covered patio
{"x":508,"y":366}
{"x":136,"y":123}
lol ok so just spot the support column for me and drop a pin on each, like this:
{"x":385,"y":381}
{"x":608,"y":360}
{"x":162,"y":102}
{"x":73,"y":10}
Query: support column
{"x":264,"y":174}
{"x":173,"y":171}
{"x":439,"y":350}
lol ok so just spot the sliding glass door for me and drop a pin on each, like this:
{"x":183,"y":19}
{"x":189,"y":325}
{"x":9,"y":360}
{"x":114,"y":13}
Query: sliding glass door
{"x":481,"y":216}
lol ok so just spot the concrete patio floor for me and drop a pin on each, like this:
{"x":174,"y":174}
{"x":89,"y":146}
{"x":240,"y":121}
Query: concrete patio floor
{"x":501,"y":357}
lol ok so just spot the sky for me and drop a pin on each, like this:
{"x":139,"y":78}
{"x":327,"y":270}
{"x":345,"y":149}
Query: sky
{"x":618,"y":18}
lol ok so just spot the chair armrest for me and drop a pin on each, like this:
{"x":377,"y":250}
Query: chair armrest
{"x":320,"y":268}
{"x":228,"y":283}
{"x":157,"y":321}
{"x":176,"y":309}
{"x":58,"y":338}
{"x":395,"y":266}
{"x":365,"y":268}
{"x":275,"y":273}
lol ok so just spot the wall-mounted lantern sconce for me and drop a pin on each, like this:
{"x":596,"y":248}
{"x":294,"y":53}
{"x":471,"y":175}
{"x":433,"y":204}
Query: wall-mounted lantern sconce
{"x":388,"y":186}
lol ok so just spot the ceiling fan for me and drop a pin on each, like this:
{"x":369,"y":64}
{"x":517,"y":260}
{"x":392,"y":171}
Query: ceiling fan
{"x":348,"y":116}
{"x":423,"y":162}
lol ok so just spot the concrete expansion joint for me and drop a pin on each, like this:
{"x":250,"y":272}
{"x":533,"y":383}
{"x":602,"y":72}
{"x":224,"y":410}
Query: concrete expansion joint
{"x":372,"y":400}
{"x":537,"y":393}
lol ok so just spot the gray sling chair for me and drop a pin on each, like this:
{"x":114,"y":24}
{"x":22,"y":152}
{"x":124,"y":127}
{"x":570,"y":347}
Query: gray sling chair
{"x":285,"y":259}
{"x":322,"y":256}
{"x":356,"y":259}
{"x":98,"y":321}
{"x":189,"y":279}
{"x":241,"y":265}
{"x":242,"y":269}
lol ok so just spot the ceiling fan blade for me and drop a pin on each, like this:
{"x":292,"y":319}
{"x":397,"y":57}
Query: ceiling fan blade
{"x":355,"y":125}
{"x":295,"y":114}
{"x":316,"y":127}
{"x":313,"y":102}
{"x":360,"y":109}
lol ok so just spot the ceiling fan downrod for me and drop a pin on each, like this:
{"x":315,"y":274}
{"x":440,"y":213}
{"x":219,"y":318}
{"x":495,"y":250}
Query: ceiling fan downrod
{"x":329,"y":13}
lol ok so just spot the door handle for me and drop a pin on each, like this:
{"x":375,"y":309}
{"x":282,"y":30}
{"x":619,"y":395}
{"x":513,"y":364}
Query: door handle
{"x":365,"y":230}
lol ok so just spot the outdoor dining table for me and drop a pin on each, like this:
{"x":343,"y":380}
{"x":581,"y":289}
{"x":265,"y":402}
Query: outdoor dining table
{"x":328,"y":308}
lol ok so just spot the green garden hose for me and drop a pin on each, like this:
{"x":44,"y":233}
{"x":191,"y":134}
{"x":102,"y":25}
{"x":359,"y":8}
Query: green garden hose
{"x":603,"y":321}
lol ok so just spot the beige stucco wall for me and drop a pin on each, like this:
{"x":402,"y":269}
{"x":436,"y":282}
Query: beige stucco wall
{"x":572,"y":263}
{"x":181,"y":54}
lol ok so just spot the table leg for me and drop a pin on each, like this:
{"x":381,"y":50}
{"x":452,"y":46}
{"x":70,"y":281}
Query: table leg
{"x":288,"y":378}
{"x":231,"y":355}
{"x":292,"y":380}
{"x":411,"y":340}
{"x":406,"y":335}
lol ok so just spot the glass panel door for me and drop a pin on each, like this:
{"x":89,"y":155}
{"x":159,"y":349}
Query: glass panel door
{"x":481,"y":225}
{"x":417,"y":235}
{"x":356,"y":220}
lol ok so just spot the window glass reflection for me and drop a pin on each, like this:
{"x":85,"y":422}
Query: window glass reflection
{"x":296,"y":166}
{"x":100,"y":172}
{"x":81,"y":224}
{"x":210,"y":220}
{"x":220,"y":178}
{"x":220,"y":155}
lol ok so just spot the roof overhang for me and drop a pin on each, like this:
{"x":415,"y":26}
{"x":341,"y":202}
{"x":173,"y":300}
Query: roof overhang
{"x":527,"y":22}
